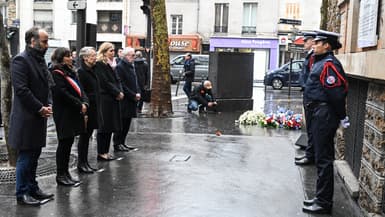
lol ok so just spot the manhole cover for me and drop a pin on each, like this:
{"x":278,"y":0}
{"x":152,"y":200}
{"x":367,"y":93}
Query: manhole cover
{"x":180,"y":158}
{"x":46,"y":166}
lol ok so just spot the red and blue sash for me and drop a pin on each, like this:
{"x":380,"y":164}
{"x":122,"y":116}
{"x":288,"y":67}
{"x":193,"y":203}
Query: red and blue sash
{"x":74,"y":84}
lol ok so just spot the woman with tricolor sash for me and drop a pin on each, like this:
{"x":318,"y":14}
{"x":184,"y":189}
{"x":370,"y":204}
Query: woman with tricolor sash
{"x":69,"y":111}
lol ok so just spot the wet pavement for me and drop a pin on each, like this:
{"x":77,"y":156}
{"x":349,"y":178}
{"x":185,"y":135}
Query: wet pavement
{"x":183,"y":169}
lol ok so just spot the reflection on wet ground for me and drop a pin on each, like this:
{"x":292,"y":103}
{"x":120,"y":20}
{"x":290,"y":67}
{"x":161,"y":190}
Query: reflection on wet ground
{"x":183,"y":169}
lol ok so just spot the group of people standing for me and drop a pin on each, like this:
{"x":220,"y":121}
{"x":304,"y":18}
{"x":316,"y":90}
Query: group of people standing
{"x":103,"y":94}
{"x":324,"y":99}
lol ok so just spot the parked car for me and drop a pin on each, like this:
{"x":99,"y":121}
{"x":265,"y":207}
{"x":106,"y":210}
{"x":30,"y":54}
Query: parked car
{"x":279,"y":78}
{"x":201,"y":67}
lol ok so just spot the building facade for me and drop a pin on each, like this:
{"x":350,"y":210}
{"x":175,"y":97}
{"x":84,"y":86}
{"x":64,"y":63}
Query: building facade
{"x":196,"y":26}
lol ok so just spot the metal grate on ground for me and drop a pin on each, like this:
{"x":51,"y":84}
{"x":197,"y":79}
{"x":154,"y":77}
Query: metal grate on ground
{"x":46,"y":167}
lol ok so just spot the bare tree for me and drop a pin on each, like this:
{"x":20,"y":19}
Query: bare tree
{"x":6,"y":89}
{"x":161,"y":105}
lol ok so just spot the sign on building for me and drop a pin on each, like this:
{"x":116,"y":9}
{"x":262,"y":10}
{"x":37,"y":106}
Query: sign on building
{"x":367,"y":35}
{"x":76,"y":5}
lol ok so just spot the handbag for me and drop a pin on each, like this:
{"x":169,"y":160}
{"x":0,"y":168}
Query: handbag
{"x":146,"y":95}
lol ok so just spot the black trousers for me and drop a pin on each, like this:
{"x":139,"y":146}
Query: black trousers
{"x":103,"y":140}
{"x":309,"y":151}
{"x":324,"y":126}
{"x":83,"y":144}
{"x":120,"y":137}
{"x":63,"y":152}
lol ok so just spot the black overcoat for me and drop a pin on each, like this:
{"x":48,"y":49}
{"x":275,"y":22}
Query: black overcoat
{"x":90,"y":84}
{"x":27,"y":129}
{"x":67,"y":104}
{"x":130,"y":86}
{"x":110,"y":87}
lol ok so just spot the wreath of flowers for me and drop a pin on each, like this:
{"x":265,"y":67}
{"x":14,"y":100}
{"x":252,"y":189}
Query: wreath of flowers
{"x":282,"y":118}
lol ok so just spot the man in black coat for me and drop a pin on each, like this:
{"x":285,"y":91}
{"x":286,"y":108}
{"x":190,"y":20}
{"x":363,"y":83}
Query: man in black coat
{"x":31,"y":107}
{"x":143,"y":74}
{"x":131,"y":90}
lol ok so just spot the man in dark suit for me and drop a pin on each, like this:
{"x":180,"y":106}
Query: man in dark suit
{"x":30,"y":110}
{"x":131,"y":90}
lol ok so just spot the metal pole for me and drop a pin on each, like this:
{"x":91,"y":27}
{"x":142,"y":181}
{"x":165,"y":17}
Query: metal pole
{"x":148,"y":43}
{"x":290,"y":71}
{"x":80,"y":31}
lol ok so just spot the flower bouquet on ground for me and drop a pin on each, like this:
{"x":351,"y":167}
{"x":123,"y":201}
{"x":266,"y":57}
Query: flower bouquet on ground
{"x":251,"y":117}
{"x":282,"y":118}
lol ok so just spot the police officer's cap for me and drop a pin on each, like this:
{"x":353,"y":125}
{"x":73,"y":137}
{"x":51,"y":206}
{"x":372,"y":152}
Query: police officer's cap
{"x":330,"y":37}
{"x":308,"y":35}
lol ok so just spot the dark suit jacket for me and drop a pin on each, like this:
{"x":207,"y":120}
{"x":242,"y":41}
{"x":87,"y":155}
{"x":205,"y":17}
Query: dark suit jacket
{"x":130,"y":86}
{"x":67,"y":104}
{"x":27,"y":128}
{"x":90,"y":83}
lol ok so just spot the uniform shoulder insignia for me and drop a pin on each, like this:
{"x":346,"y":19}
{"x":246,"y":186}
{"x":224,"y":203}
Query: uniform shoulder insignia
{"x":331,"y":80}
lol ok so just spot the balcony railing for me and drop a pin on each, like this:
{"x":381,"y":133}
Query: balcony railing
{"x":220,"y":29}
{"x":249,"y":30}
{"x":109,"y":27}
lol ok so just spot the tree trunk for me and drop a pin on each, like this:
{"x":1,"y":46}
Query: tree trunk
{"x":6,"y":90}
{"x":324,"y":14}
{"x":161,"y":105}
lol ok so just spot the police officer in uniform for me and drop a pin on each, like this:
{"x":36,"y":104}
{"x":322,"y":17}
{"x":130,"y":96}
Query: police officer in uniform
{"x":308,"y":158}
{"x":326,"y":90}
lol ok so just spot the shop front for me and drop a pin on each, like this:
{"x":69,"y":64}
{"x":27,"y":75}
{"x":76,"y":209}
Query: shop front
{"x":181,"y":44}
{"x":265,"y":51}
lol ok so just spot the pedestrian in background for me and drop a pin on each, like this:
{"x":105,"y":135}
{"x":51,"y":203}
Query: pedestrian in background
{"x":143,"y":75}
{"x":189,"y":73}
{"x":308,"y":158}
{"x":89,"y":82}
{"x":119,"y":56}
{"x":70,"y":109}
{"x":31,"y":106}
{"x":126,"y":72}
{"x":111,"y":94}
{"x":326,"y":90}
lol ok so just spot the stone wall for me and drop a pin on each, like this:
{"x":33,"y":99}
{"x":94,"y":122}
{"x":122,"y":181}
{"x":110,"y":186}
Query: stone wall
{"x":372,"y":172}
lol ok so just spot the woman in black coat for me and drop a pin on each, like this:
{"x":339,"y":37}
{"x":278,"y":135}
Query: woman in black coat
{"x":110,"y":96}
{"x":90,"y":84}
{"x":69,"y":108}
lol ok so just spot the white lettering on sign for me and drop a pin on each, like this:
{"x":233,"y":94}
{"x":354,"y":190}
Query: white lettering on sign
{"x":175,"y":44}
{"x":256,"y":42}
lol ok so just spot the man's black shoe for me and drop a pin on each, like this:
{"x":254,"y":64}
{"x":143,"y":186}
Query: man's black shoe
{"x":304,"y":161}
{"x":309,"y":202}
{"x":299,"y":157}
{"x":27,"y":200}
{"x":316,"y":209}
{"x":120,"y":148}
{"x":40,"y":195}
